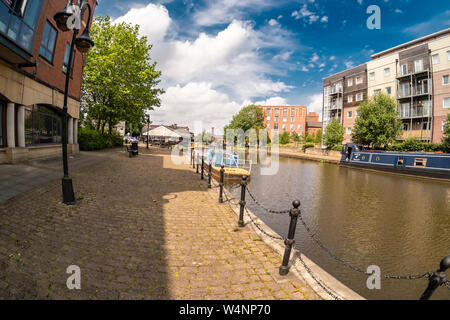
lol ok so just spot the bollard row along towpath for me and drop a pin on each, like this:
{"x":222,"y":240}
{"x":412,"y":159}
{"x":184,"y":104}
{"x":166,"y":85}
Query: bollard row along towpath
{"x":142,"y":228}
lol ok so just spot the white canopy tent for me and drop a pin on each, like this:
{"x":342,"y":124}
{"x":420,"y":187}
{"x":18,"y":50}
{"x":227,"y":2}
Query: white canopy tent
{"x":163,"y":133}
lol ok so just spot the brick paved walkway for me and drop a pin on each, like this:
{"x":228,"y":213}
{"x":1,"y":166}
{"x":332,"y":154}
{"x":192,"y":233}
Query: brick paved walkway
{"x":142,"y":228}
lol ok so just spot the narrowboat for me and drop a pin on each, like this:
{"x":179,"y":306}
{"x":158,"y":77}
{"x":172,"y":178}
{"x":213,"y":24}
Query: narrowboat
{"x":435,"y":165}
{"x":234,"y":168}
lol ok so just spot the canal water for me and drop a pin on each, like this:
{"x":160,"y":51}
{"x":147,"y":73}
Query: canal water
{"x":399,"y":223}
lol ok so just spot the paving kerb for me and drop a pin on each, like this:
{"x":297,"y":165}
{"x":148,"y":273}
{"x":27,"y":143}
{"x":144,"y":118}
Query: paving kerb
{"x":296,"y":267}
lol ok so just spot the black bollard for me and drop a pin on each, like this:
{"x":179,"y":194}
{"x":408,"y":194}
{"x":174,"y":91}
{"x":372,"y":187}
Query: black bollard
{"x":242,"y":201}
{"x":203,"y":167}
{"x":289,"y":241}
{"x":193,"y":159}
{"x":197,"y":163}
{"x":192,"y":156}
{"x":437,"y":278}
{"x":209,"y":174}
{"x":222,"y":172}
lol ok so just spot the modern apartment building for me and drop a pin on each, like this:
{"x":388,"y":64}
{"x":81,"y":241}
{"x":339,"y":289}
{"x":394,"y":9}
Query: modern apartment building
{"x":33,"y":66}
{"x":416,"y":74}
{"x":287,"y":118}
{"x":342,"y":94}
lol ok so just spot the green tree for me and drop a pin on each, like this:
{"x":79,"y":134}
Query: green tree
{"x":247,"y":118}
{"x":318,"y":137}
{"x":378,"y":123}
{"x":295,"y":137}
{"x":120,"y":80}
{"x":334,"y":134}
{"x":284,"y":138}
{"x":446,"y":137}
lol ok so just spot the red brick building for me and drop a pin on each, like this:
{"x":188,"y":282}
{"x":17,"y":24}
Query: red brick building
{"x":33,"y":65}
{"x":287,"y":118}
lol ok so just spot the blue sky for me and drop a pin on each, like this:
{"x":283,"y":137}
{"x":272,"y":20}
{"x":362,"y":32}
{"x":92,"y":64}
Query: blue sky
{"x":217,"y":56}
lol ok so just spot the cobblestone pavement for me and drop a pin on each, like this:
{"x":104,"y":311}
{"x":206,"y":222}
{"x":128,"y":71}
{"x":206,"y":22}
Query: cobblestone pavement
{"x":143,"y":228}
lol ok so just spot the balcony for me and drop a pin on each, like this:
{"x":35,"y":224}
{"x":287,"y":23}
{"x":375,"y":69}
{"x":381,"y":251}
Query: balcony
{"x":417,"y":91}
{"x":336,"y":92}
{"x":416,"y":112}
{"x":418,"y":134}
{"x":411,"y":74}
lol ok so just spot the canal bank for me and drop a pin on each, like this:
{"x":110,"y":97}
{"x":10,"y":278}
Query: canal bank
{"x":399,"y":223}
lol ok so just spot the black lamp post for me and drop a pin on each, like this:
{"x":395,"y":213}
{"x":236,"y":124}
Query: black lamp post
{"x":83,"y":44}
{"x":148,"y":126}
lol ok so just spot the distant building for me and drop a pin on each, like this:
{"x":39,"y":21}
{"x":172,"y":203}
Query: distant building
{"x":284,"y":118}
{"x":416,"y":74}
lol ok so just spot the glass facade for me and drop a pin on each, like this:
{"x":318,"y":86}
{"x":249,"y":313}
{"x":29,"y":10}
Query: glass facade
{"x":18,"y":20}
{"x":42,"y":125}
{"x":48,"y":42}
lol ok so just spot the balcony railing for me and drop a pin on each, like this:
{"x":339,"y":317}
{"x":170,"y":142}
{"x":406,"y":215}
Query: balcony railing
{"x":416,"y":112}
{"x":419,"y":134}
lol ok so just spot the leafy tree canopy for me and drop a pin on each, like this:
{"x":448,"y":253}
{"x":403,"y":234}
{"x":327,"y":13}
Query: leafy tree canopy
{"x":378,"y":123}
{"x":248,"y":117}
{"x":120,"y":80}
{"x":334,"y":134}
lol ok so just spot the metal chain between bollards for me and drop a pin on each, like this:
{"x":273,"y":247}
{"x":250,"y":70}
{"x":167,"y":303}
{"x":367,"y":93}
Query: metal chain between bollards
{"x":261,"y":206}
{"x":261,"y":229}
{"x":355,"y":268}
{"x":312,"y":275}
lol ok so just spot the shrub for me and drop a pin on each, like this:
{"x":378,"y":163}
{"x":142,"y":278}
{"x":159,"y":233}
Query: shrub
{"x":284,"y":138}
{"x":414,"y":144}
{"x":308,"y":145}
{"x":336,"y":148}
{"x":90,"y":140}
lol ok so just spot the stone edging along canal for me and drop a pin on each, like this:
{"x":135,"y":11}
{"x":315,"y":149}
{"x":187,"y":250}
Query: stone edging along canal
{"x":338,"y":289}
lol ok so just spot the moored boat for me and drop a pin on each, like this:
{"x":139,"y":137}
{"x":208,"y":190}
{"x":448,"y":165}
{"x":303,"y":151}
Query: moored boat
{"x":436,"y":165}
{"x":234,"y":168}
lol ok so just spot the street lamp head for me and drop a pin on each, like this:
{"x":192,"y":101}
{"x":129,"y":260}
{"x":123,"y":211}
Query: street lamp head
{"x":62,"y":17}
{"x":84,"y":42}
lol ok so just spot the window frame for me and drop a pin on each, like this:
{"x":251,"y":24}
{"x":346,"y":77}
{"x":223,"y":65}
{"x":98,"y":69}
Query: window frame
{"x":388,"y":72}
{"x":448,"y":80}
{"x":421,"y":65}
{"x":349,"y":114}
{"x":48,"y":23}
{"x":349,"y":98}
{"x":435,"y":56}
{"x":443,"y":102}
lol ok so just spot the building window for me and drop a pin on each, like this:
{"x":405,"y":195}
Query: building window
{"x":350,"y":82}
{"x":446,"y":103}
{"x":299,"y":128}
{"x":350,"y":98}
{"x":291,"y":127}
{"x":284,"y":127}
{"x":425,"y":126}
{"x":404,"y":110}
{"x":435,"y":59}
{"x":275,"y":126}
{"x":443,"y":125}
{"x":349,"y":114}
{"x":42,"y":125}
{"x":357,"y":113}
{"x":405,"y":90}
{"x":284,"y":112}
{"x":371,"y":76}
{"x":268,"y":110}
{"x":284,"y":119}
{"x":48,"y":42}
{"x":445,"y":79}
{"x":66,"y":60}
{"x":268,"y":127}
{"x":388,"y":90}
{"x":359,"y":97}
{"x":277,"y":111}
{"x":377,"y":91}
{"x":292,"y":112}
{"x":349,"y":130}
{"x":268,"y":118}
{"x":18,"y":21}
{"x":292,"y":119}
{"x":418,"y":65}
{"x":276,"y":119}
{"x":404,"y":69}
{"x":387,"y":72}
